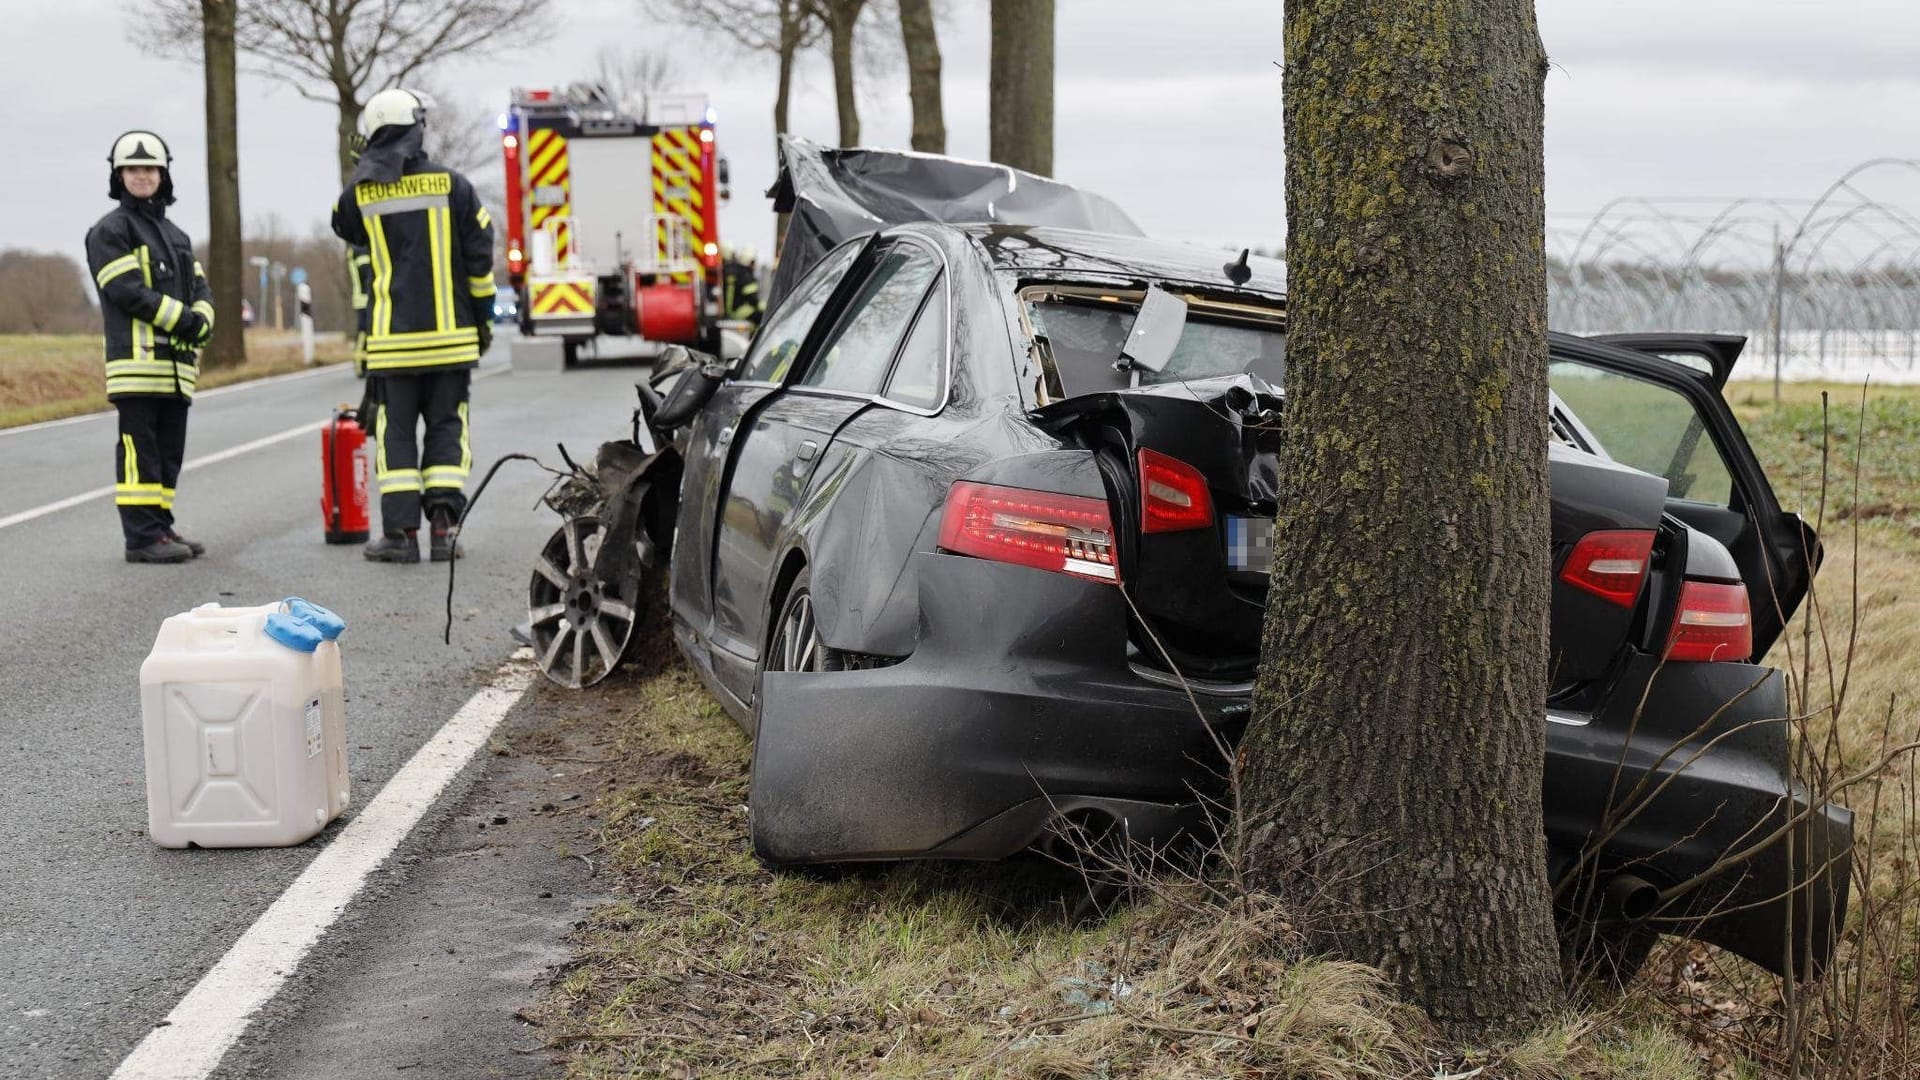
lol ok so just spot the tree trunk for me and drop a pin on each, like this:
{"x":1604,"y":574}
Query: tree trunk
{"x":841,"y":17}
{"x":1020,"y":85}
{"x":1392,"y":769}
{"x":226,"y":269}
{"x":922,"y":42}
{"x":785,"y":94}
{"x":346,"y":131}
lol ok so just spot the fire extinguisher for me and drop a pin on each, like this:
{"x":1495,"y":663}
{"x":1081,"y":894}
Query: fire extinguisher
{"x":343,"y":479}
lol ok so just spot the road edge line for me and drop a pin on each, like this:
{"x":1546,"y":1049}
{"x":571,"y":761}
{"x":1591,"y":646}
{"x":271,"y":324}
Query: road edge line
{"x":190,"y":1043}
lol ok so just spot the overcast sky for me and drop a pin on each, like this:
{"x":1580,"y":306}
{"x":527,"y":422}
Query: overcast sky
{"x":1171,"y":109}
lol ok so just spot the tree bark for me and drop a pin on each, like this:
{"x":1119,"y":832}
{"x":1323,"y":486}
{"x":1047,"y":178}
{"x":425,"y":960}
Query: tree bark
{"x":841,"y":16}
{"x":784,"y":96}
{"x":922,"y":43}
{"x":1020,"y":85}
{"x":226,"y":268}
{"x":1392,"y":768}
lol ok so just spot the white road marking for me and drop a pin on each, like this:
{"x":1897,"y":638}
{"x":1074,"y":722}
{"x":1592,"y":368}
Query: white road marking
{"x":196,"y":463}
{"x":213,"y":1015}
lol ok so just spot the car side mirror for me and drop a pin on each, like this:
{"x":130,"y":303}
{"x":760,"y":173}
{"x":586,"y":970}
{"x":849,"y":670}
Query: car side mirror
{"x":695,"y":377}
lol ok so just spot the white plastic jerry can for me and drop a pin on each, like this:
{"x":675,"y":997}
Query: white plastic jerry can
{"x":244,"y":718}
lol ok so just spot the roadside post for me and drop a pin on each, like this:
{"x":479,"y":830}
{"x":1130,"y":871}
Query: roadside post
{"x":303,"y":296}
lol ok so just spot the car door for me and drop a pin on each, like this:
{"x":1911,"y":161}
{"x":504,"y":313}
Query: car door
{"x":783,"y":448}
{"x":1661,"y":412}
{"x":1714,"y":354}
{"x":710,"y":438}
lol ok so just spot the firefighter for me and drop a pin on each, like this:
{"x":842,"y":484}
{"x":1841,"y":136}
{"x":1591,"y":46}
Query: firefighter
{"x":157,"y":313}
{"x":429,"y":319}
{"x":741,"y":279}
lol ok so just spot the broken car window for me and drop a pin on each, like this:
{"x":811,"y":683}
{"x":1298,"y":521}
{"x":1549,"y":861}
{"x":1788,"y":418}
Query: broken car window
{"x":1085,"y":337}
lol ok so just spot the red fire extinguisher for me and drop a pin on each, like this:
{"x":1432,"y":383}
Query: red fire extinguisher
{"x":343,"y":479}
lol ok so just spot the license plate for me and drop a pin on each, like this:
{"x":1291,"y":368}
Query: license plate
{"x":1250,"y":544}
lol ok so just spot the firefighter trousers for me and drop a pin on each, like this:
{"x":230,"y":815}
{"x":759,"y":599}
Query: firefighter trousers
{"x":146,"y":465}
{"x":411,"y":473}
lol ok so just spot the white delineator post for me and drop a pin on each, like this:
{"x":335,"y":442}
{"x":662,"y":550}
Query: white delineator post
{"x":304,"y":294}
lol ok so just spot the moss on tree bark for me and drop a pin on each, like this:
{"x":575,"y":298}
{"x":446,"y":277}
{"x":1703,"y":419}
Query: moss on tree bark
{"x":1392,"y":771}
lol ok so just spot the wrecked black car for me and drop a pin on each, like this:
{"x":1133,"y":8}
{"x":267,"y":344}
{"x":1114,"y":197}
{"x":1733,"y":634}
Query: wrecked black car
{"x":974,"y":541}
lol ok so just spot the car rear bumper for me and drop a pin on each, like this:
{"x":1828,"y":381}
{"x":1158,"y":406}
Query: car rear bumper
{"x":1017,"y":702}
{"x":1018,"y":706}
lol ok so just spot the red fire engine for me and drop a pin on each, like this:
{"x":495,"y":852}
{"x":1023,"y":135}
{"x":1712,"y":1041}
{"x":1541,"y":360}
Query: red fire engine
{"x":612,"y":221}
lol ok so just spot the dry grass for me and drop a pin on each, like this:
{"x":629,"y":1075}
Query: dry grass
{"x":708,"y":965}
{"x":50,"y":376}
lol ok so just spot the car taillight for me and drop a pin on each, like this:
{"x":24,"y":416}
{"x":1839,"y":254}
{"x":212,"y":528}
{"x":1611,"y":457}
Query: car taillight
{"x":1173,"y":495}
{"x":1069,"y":534}
{"x":1610,"y":564}
{"x":1715,"y":622}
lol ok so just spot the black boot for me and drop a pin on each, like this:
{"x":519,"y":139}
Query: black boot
{"x":194,"y":546}
{"x":162,"y":550}
{"x":395,"y":547}
{"x":440,"y":522}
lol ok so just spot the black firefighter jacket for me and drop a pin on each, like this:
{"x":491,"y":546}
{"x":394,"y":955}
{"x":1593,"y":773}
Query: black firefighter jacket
{"x":431,"y":248}
{"x":148,"y":279}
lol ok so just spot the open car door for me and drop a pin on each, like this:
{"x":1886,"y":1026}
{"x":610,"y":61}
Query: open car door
{"x":1714,"y":354}
{"x":1652,"y":401}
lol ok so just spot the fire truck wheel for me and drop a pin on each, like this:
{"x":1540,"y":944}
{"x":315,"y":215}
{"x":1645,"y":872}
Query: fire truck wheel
{"x":570,"y":352}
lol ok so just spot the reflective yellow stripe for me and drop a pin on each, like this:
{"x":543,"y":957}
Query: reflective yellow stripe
{"x":198,"y":270}
{"x":480,"y":286}
{"x":382,"y":323}
{"x":400,"y":480}
{"x":485,"y":219}
{"x":143,"y":332}
{"x":466,"y":441}
{"x":144,"y":384}
{"x":123,"y":264}
{"x":380,"y":440}
{"x":205,"y":308}
{"x":129,"y":460}
{"x":169,"y":314}
{"x":440,"y":229}
{"x":423,"y":358}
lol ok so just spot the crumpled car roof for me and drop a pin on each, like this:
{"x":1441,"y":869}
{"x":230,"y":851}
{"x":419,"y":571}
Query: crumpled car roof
{"x":835,"y":194}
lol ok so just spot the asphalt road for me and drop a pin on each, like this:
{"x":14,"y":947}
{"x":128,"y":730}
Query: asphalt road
{"x":101,"y":932}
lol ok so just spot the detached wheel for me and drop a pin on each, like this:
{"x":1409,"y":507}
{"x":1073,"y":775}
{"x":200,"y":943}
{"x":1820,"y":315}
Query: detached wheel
{"x":582,"y":626}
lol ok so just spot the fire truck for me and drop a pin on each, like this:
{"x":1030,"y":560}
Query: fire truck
{"x":613,"y":218}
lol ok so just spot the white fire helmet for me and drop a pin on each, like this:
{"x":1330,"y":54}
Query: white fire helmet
{"x":393,"y":108}
{"x":140,"y":148}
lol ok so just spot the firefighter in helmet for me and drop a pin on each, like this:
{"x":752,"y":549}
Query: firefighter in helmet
{"x":429,"y":319}
{"x":740,"y":277}
{"x":157,"y":312}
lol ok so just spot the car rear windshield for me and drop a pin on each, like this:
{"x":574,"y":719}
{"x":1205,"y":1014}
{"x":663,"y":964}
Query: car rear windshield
{"x":1084,"y":336}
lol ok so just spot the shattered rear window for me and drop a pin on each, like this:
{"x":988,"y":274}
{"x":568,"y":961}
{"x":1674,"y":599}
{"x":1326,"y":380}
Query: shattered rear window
{"x":1084,"y":336}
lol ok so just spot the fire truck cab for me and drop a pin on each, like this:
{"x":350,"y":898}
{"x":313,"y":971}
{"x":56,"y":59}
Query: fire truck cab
{"x":613,"y":216}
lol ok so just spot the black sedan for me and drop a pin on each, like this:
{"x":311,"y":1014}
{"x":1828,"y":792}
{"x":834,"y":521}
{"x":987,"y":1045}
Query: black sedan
{"x":974,"y":542}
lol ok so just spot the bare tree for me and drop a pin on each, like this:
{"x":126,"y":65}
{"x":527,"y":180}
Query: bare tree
{"x":631,"y":77}
{"x":922,"y":44}
{"x":1020,"y":85}
{"x":343,"y":51}
{"x":1393,"y":763}
{"x":842,"y":18}
{"x":225,"y":270}
{"x":45,"y":293}
{"x":781,"y":28}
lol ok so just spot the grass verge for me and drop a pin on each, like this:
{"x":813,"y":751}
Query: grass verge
{"x":708,"y":965}
{"x":52,"y":376}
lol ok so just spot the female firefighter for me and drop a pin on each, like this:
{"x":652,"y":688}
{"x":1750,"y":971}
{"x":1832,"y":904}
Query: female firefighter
{"x":157,"y":312}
